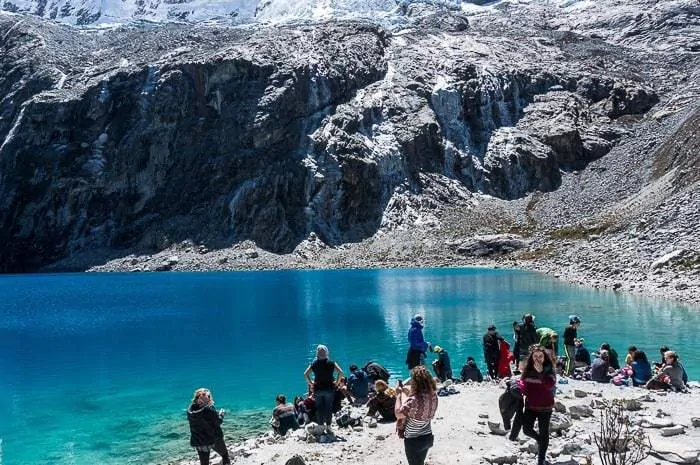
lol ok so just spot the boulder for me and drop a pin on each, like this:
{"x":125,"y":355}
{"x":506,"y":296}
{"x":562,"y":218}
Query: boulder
{"x":559,"y":407}
{"x":494,"y":244}
{"x":579,"y":393}
{"x":695,"y":421}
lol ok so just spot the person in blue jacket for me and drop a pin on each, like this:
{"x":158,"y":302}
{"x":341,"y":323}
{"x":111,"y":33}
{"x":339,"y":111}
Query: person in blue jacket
{"x":358,"y":384}
{"x":417,"y":344}
{"x":641,"y":368}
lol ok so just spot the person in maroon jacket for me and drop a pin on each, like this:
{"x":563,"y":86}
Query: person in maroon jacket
{"x":537,"y":386}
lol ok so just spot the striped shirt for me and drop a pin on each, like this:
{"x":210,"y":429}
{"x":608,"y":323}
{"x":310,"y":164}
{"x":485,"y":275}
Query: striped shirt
{"x":419,"y":410}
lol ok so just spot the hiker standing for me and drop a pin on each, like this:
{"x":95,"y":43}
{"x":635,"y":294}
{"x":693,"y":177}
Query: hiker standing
{"x":323,"y":384}
{"x":492,"y":351}
{"x":205,"y":427}
{"x":527,"y":336}
{"x":417,"y":412}
{"x":417,"y":344}
{"x":537,"y":384}
{"x":570,"y":335}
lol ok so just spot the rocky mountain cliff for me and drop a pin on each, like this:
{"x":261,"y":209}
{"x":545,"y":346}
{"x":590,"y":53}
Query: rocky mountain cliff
{"x":450,"y":121}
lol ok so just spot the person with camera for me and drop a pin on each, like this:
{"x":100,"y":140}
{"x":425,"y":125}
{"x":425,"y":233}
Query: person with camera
{"x":205,"y":427}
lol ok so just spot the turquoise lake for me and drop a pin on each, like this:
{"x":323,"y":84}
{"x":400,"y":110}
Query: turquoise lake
{"x":99,"y":368}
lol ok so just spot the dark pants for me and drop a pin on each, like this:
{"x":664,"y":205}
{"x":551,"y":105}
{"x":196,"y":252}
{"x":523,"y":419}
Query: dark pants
{"x":542,"y":437}
{"x":513,"y":411}
{"x":492,"y":365}
{"x":324,"y":406}
{"x":417,"y":448}
{"x":414,"y":358}
{"x":220,"y":448}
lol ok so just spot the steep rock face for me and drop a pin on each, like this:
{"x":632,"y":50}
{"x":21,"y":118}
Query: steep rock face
{"x":192,"y":146}
{"x":137,"y":137}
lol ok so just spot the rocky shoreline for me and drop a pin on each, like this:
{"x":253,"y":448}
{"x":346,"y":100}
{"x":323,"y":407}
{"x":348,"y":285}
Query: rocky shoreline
{"x":467,"y":430}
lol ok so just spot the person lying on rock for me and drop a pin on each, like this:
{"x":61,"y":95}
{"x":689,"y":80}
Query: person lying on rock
{"x":383,"y":402}
{"x":471,"y":372}
{"x":205,"y":427}
{"x":284,"y":417}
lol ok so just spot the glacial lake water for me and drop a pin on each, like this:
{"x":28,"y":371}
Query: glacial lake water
{"x":99,"y":368}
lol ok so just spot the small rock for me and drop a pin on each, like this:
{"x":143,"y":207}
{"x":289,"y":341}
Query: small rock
{"x":496,"y":428}
{"x":559,"y":407}
{"x":501,"y":457}
{"x":483,"y":415}
{"x":564,"y":460}
{"x":381,"y":437}
{"x":559,"y":422}
{"x":251,"y":253}
{"x":173,"y":260}
{"x":295,"y":460}
{"x":358,"y":428}
{"x":372,"y":423}
{"x":579,"y":393}
{"x":632,"y":405}
{"x":695,"y":421}
{"x":672,"y":431}
{"x":581,"y":410}
{"x":660,"y":423}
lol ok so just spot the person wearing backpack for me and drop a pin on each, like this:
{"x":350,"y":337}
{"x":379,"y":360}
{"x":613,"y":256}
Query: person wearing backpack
{"x":510,"y":403}
{"x":376,"y":372}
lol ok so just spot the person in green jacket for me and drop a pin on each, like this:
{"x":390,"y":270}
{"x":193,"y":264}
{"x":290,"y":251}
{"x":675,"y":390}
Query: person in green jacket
{"x":549,"y":339}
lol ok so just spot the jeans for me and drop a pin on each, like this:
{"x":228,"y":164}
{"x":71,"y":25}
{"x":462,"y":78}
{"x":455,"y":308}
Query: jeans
{"x":324,"y":406}
{"x":220,"y":448}
{"x":542,"y":437}
{"x":417,"y":448}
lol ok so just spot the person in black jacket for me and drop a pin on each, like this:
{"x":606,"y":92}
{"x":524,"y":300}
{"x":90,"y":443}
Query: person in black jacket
{"x":527,"y":336}
{"x":205,"y":427}
{"x":511,"y":405}
{"x":492,"y":351}
{"x":570,"y":335}
{"x":471,"y":372}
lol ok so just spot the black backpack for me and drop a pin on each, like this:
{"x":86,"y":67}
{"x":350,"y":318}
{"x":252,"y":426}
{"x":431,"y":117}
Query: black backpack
{"x":376,"y":371}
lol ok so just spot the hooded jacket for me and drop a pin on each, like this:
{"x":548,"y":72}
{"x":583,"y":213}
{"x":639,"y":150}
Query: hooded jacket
{"x":205,"y":425}
{"x":415,"y":337}
{"x":527,"y":335}
{"x":492,"y":350}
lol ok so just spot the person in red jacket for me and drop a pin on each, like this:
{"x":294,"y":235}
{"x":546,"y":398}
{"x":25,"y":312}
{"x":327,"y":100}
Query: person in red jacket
{"x":537,"y":386}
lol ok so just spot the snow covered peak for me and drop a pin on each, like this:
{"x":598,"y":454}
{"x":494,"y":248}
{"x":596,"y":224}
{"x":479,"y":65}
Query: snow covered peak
{"x":83,"y":12}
